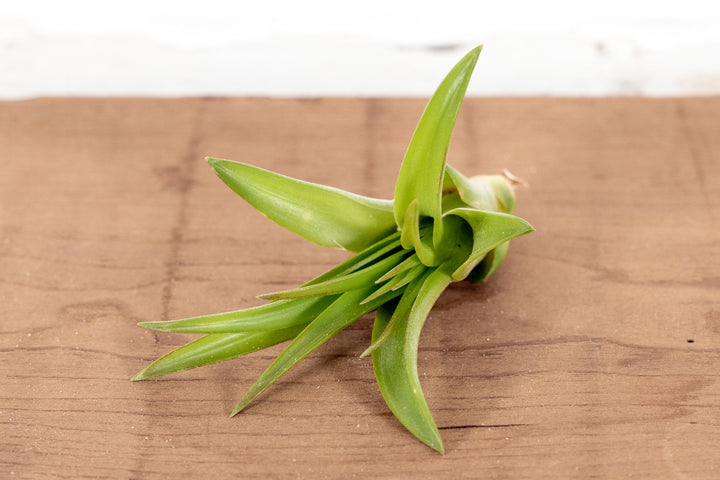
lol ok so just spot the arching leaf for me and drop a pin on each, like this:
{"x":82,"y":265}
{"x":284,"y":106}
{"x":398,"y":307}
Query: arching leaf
{"x":327,"y":216}
{"x":489,"y":230}
{"x":395,"y":358}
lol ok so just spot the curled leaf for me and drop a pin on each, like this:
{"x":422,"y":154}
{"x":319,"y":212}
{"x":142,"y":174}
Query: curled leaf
{"x":417,"y":238}
{"x":489,"y":230}
{"x":483,"y":192}
{"x":489,"y":264}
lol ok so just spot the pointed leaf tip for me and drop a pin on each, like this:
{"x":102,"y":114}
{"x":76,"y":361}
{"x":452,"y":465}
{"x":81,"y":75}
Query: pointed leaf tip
{"x":475,"y":52}
{"x":215,"y":163}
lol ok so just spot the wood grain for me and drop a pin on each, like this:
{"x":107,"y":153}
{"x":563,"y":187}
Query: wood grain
{"x":592,"y":353}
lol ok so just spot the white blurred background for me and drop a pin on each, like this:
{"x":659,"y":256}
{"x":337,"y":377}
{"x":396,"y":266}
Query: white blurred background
{"x":369,"y":48}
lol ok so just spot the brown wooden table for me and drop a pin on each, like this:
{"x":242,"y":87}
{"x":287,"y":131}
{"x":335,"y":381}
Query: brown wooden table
{"x":593,"y":352}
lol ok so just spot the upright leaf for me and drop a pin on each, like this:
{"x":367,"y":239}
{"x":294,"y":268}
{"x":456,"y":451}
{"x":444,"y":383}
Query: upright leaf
{"x":413,"y":236}
{"x":422,"y":171}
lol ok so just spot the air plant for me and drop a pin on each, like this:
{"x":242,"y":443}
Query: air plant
{"x":441,"y":227}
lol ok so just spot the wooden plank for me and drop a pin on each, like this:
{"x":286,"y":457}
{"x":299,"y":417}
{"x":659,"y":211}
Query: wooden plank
{"x":593,"y":352}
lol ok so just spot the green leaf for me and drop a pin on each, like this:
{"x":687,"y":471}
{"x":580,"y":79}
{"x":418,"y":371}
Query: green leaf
{"x":395,"y":359}
{"x":377,"y":250}
{"x":413,"y":238}
{"x":354,"y":280}
{"x":483,"y":192}
{"x":411,"y":262}
{"x":341,"y":313}
{"x":400,"y":311}
{"x":324,"y":215}
{"x":441,"y":227}
{"x":422,"y":172}
{"x":489,"y":264}
{"x":279,"y":314}
{"x":433,"y":286}
{"x":215,"y":348}
{"x":397,"y":282}
{"x":271,"y":316}
{"x":489,"y":230}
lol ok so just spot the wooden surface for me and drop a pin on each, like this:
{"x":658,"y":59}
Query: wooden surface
{"x":592,"y":353}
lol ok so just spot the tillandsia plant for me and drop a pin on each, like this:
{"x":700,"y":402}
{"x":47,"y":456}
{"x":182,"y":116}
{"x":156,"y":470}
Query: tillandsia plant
{"x":441,"y":227}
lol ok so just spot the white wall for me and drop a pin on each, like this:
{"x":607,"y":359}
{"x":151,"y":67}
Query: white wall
{"x":361,"y":48}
